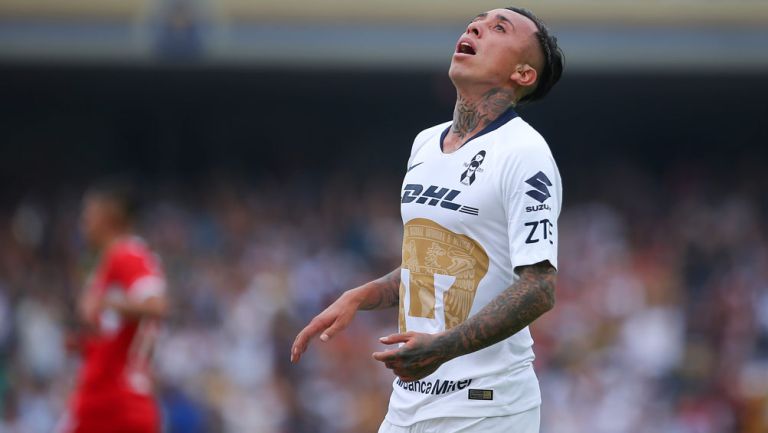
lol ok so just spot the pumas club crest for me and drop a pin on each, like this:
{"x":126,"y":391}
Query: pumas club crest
{"x":473,"y":167}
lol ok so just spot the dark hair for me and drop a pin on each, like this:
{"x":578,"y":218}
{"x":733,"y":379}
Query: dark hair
{"x":553,"y":58}
{"x":120,"y":191}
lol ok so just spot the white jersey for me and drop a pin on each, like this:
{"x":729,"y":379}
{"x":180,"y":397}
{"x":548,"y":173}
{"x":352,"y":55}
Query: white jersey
{"x":470,"y":218}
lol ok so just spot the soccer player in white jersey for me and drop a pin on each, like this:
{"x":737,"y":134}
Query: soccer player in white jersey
{"x":480,"y":202}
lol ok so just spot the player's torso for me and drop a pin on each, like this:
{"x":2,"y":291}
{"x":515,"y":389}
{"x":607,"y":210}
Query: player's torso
{"x":455,"y":247}
{"x":117,"y":354}
{"x":456,"y":259}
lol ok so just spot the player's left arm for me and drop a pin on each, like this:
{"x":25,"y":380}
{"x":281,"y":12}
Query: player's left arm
{"x":532,"y":295}
{"x":155,"y":306}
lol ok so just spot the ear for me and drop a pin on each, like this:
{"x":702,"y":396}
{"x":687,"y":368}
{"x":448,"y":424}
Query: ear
{"x":524,"y":76}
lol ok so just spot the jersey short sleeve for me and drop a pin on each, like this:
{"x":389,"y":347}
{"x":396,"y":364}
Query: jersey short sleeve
{"x":134,"y":268}
{"x":533,"y":197}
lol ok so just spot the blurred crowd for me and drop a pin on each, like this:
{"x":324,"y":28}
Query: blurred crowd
{"x":661,"y":322}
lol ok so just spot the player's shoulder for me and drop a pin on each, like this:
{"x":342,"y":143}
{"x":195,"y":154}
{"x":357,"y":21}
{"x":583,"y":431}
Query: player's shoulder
{"x":130,"y":258}
{"x":432,"y":131}
{"x":426,"y":136}
{"x":523,"y":152}
{"x":519,"y":138}
{"x":129,"y":247}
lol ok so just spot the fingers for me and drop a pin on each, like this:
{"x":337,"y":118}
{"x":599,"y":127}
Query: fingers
{"x":310,"y":331}
{"x":398,"y":369}
{"x":393,"y":359}
{"x":390,"y":355}
{"x":337,"y":326}
{"x":396,"y":338}
{"x":303,"y":338}
{"x":387,"y":356}
{"x":299,"y":345}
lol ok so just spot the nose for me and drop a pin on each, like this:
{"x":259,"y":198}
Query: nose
{"x":474,"y":28}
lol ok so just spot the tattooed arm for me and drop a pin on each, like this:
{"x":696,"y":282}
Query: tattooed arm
{"x":381,"y":293}
{"x":377,"y":294}
{"x":514,"y":309}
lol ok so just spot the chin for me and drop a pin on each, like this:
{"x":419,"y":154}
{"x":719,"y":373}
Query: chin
{"x":460,"y":74}
{"x":457,"y":69}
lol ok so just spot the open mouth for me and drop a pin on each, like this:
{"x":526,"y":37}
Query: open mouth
{"x":465,"y":48}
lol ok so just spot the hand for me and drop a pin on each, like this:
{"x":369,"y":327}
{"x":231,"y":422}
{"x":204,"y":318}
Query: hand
{"x":119,"y":304}
{"x":417,"y":358}
{"x":332,"y":320}
{"x":91,"y":305}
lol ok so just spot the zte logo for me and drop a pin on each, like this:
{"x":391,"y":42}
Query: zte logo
{"x":539,"y":230}
{"x":435,"y":195}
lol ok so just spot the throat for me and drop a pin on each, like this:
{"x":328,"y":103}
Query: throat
{"x":467,"y":117}
{"x":471,"y":115}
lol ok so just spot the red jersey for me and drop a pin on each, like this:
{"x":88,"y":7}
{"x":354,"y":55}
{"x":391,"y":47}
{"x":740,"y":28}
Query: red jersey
{"x":114,"y":392}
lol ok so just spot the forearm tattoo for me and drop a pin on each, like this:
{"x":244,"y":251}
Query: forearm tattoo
{"x":514,"y":309}
{"x":469,"y":115}
{"x":385,"y":292}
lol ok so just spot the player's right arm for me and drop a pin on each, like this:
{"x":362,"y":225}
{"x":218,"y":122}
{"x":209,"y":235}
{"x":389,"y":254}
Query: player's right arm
{"x":377,"y":294}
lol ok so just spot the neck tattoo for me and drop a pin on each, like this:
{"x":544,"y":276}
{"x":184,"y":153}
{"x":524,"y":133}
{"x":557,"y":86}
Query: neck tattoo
{"x":469,"y":115}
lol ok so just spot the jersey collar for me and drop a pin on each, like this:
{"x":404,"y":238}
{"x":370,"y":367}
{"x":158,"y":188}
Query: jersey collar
{"x":496,"y":124}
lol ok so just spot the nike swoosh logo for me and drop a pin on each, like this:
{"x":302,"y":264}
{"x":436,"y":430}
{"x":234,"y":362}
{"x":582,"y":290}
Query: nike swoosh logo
{"x":414,"y":166}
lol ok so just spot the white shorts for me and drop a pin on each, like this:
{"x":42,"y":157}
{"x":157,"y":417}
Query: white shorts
{"x":524,"y":422}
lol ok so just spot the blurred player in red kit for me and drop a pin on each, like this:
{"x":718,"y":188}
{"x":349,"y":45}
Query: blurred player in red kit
{"x":120,"y":307}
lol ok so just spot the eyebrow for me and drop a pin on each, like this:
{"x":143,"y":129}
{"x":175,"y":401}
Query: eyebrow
{"x":499,"y":17}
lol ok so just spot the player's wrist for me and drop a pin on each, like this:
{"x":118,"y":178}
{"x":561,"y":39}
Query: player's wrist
{"x":355,"y":297}
{"x":444,"y":345}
